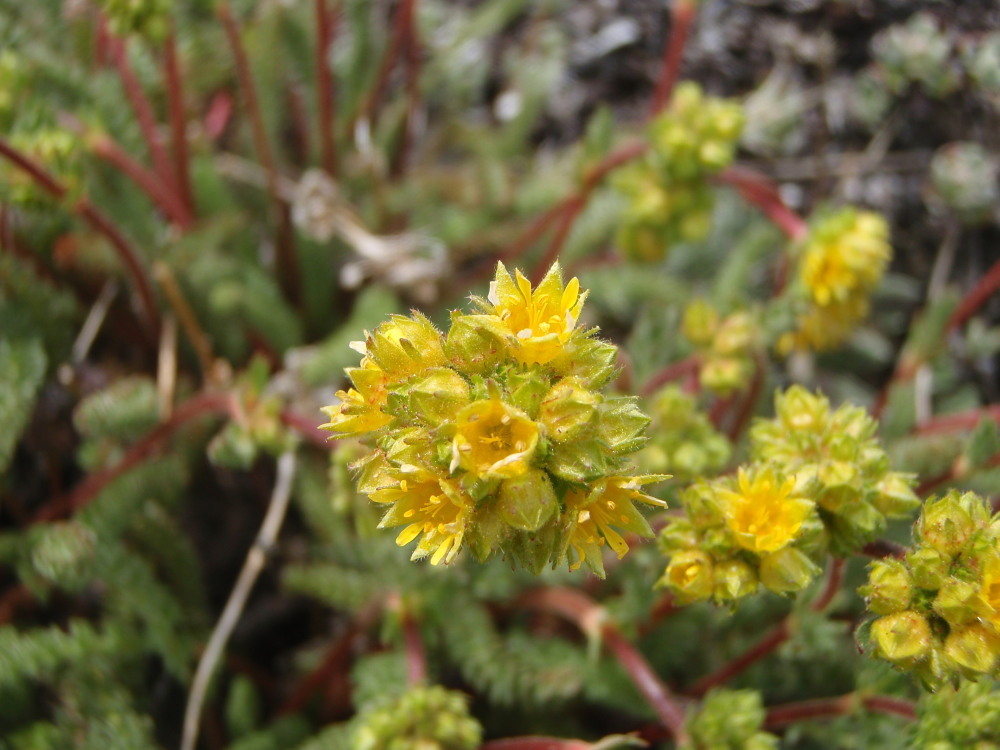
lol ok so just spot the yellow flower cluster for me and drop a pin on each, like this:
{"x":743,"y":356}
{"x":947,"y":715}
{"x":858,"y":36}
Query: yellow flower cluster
{"x":496,"y":437}
{"x":838,"y":462}
{"x":669,"y":199}
{"x":939,"y":608}
{"x":725,"y":346}
{"x":738,"y":534}
{"x":841,"y":261}
{"x":817,"y":483}
{"x":682,"y":441}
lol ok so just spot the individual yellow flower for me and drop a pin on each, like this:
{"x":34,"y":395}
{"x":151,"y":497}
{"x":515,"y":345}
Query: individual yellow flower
{"x":493,"y":440}
{"x":360,"y":410}
{"x":763,"y":514}
{"x":821,"y":328}
{"x":609,"y":504}
{"x":845,"y":253}
{"x":989,"y":591}
{"x":543,"y":320}
{"x":690,"y":575}
{"x":428,"y":505}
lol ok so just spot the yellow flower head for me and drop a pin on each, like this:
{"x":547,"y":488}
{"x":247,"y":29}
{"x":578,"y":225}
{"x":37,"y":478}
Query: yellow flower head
{"x":609,"y":504}
{"x":360,"y":411}
{"x":543,"y":320}
{"x":989,"y":591}
{"x":762,"y":514}
{"x":428,"y":505}
{"x":493,"y":440}
{"x":845,"y":253}
{"x":821,"y":328}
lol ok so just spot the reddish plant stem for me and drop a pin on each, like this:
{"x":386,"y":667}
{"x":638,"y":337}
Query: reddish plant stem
{"x":959,"y":469}
{"x":981,"y":292}
{"x":758,"y":651}
{"x":413,"y":643}
{"x":412,"y":78}
{"x":287,"y":262}
{"x":143,"y":110}
{"x":720,"y":408}
{"x":673,"y":371}
{"x":396,"y":45}
{"x":587,"y":615}
{"x":12,"y":600}
{"x":307,"y":428}
{"x":884,"y":548}
{"x":146,"y":180}
{"x":201,"y":405}
{"x":835,"y":576}
{"x":781,"y":633}
{"x":681,"y":20}
{"x":750,"y":402}
{"x":325,"y":87}
{"x":336,"y":659}
{"x":758,"y":190}
{"x":906,"y":368}
{"x":100,"y":223}
{"x":965,"y":420}
{"x":573,"y":206}
{"x":828,"y":708}
{"x":178,"y":122}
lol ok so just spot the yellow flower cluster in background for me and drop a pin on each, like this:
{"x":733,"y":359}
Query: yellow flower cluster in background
{"x":495,"y":436}
{"x":682,"y":441}
{"x":939,"y":608}
{"x":725,"y":346}
{"x":817,"y":483}
{"x":839,"y":264}
{"x":669,"y":199}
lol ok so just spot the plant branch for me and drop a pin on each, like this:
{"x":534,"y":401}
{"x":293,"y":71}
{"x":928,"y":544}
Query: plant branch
{"x":396,"y":44}
{"x":178,"y":122}
{"x":325,"y":86}
{"x":681,"y":19}
{"x":975,"y":299}
{"x":760,"y":191}
{"x":99,"y":222}
{"x":834,"y":578}
{"x":252,"y":566}
{"x":200,"y":405}
{"x":758,"y":651}
{"x":828,"y":708}
{"x":143,"y":110}
{"x":965,"y":420}
{"x":589,"y":617}
{"x":682,"y":369}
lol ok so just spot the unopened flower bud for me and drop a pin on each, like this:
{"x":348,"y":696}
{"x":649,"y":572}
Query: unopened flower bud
{"x":725,"y":374}
{"x":527,"y":501}
{"x":945,"y":524}
{"x":568,"y":410}
{"x":734,"y":579}
{"x":436,"y":396}
{"x":787,"y":570}
{"x":928,"y":567}
{"x":889,"y":587}
{"x":895,"y":495}
{"x":903,"y":638}
{"x":955,"y":601}
{"x":477,"y":342}
{"x":701,"y":320}
{"x":975,"y":649}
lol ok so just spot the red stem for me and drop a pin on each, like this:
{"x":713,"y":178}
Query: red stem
{"x":758,"y":651}
{"x":200,"y":405}
{"x":682,"y":17}
{"x":416,"y":657}
{"x":325,"y":91}
{"x":834,"y":578}
{"x":750,"y":402}
{"x":572,"y":206}
{"x":828,"y":708}
{"x":412,"y":73}
{"x":178,"y":122}
{"x":99,"y":222}
{"x":396,"y":44}
{"x":587,"y":615}
{"x":965,"y":420}
{"x":674,"y":371}
{"x":287,"y":261}
{"x":143,"y":112}
{"x":884,"y":548}
{"x":760,"y":191}
{"x":146,"y":180}
{"x":975,"y":299}
{"x":308,"y":429}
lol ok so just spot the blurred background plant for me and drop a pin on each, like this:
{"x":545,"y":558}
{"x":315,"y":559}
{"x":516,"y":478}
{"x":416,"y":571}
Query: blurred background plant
{"x":203,"y":203}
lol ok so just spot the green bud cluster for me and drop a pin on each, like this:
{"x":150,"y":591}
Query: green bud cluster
{"x":964,"y":178}
{"x":725,"y":346}
{"x":669,"y":199}
{"x":968,"y":717}
{"x":938,"y":609}
{"x":729,"y":720}
{"x":682,"y":441}
{"x":147,"y":18}
{"x":423,"y":718}
{"x":839,"y":464}
{"x":496,"y":436}
{"x":916,"y":52}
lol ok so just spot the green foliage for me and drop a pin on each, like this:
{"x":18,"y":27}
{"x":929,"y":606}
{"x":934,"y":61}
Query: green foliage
{"x":22,"y":369}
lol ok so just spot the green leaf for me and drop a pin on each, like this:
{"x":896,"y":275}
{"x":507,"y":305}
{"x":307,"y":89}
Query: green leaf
{"x":22,"y":369}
